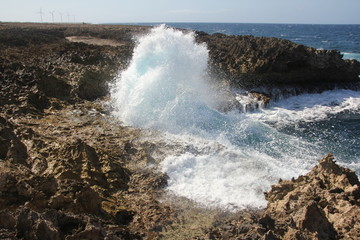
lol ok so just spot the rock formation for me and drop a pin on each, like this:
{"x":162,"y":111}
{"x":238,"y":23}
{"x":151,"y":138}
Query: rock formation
{"x":253,"y":62}
{"x":324,"y":204}
{"x":67,"y":171}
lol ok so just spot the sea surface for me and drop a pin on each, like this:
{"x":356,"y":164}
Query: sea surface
{"x":341,"y":37}
{"x":227,"y":160}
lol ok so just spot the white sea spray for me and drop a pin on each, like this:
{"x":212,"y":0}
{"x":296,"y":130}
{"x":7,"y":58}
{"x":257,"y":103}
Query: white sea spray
{"x":228,"y":159}
{"x":311,"y":107}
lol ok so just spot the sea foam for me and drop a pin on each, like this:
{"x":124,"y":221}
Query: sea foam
{"x":311,"y":107}
{"x":227,"y":159}
{"x":167,"y":72}
{"x":348,"y":55}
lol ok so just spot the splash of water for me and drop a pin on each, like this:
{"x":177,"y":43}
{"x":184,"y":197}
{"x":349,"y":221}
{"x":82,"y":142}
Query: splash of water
{"x":228,"y":160}
{"x":167,"y":72}
{"x":311,"y":107}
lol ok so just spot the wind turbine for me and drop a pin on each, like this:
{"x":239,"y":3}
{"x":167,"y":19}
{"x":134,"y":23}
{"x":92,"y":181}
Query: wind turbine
{"x":41,"y":14}
{"x":61,"y":16}
{"x":52,"y":15}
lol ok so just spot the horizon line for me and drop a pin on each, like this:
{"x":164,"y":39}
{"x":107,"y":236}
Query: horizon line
{"x":200,"y":22}
{"x":178,"y":22}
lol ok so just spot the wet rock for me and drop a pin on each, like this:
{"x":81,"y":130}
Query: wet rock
{"x":263,"y":98}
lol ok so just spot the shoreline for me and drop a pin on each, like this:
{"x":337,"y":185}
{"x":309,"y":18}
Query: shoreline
{"x":63,"y":161}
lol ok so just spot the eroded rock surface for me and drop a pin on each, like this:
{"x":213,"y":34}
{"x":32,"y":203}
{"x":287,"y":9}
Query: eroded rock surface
{"x":251,"y":62}
{"x":70,"y":171}
{"x":67,"y":170}
{"x":324,"y":204}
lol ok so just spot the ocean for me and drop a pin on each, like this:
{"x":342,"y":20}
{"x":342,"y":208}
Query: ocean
{"x":227,"y":160}
{"x":344,"y":38}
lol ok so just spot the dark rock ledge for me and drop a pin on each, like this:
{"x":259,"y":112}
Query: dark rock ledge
{"x":68,"y":172}
{"x":264,"y":62}
{"x":276,"y":68}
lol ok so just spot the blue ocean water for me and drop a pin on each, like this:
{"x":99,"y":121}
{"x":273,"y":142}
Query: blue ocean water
{"x":344,"y":38}
{"x":228,"y":160}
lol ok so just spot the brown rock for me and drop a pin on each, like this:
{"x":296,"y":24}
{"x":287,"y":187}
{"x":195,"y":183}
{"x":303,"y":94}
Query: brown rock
{"x":91,"y":231}
{"x":78,"y":162}
{"x":269,"y":236}
{"x":87,"y":201}
{"x":76,"y":197}
{"x":7,"y":220}
{"x":31,"y":225}
{"x":313,"y":219}
{"x":52,"y":86}
{"x":67,"y":171}
{"x":324,"y":204}
{"x":319,"y":202}
{"x":262,"y":97}
{"x":93,"y":85}
{"x":11,"y":147}
{"x":13,"y":189}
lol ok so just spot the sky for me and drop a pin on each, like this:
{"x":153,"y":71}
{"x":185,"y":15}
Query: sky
{"x":137,"y":11}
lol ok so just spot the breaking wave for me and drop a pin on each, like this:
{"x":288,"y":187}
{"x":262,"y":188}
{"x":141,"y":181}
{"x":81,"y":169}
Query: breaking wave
{"x":229,"y":159}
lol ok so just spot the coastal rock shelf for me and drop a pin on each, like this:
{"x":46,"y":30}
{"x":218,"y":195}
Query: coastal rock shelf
{"x":68,"y":170}
{"x":323,"y":204}
{"x":253,"y":62}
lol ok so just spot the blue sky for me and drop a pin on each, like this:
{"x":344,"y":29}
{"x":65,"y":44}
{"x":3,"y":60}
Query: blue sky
{"x":246,"y":11}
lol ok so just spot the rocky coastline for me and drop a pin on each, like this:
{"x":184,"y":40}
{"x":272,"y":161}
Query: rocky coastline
{"x":264,"y":62}
{"x":68,"y":170}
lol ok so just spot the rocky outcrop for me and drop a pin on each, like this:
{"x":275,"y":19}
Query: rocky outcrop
{"x":55,"y":185}
{"x":93,"y":85}
{"x":10,"y":146}
{"x":61,"y":178}
{"x":68,"y":172}
{"x":324,"y":204}
{"x":56,"y":225}
{"x":251,"y":62}
{"x":40,"y":66}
